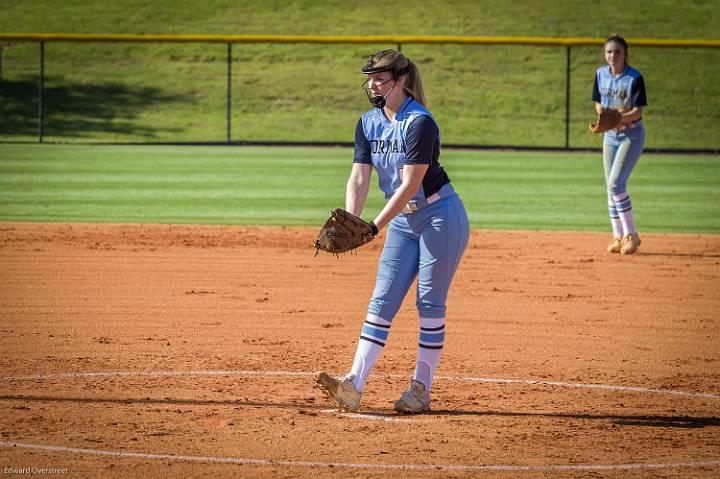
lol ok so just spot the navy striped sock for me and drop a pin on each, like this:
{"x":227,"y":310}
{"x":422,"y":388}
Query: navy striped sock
{"x":373,"y":337}
{"x":430,"y":345}
{"x":615,"y":219}
{"x":625,"y":212}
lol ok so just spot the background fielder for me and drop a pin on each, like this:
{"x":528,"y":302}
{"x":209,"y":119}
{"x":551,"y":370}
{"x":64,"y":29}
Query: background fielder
{"x":621,"y":87}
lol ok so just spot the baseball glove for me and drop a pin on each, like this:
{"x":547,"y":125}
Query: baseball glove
{"x":607,"y":119}
{"x":343,"y":232}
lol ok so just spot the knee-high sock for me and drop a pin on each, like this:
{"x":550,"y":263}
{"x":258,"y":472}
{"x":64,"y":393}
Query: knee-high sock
{"x":625,"y":212}
{"x":615,"y":219}
{"x":373,"y":336}
{"x":432,"y":339}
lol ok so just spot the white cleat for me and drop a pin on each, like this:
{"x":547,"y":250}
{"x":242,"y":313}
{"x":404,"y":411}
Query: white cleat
{"x":415,"y":400}
{"x":630,"y":244}
{"x":341,"y":390}
{"x":615,"y":245}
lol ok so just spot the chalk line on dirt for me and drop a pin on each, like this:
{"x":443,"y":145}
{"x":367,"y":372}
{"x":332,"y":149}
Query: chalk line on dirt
{"x":250,"y":373}
{"x":351,"y":465}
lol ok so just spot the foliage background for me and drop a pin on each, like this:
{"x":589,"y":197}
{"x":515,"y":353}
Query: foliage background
{"x":484,"y":95}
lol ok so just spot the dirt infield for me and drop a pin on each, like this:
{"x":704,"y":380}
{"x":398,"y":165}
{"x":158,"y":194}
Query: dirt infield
{"x":186,"y":351}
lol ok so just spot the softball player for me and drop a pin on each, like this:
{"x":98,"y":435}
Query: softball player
{"x":621,"y":87}
{"x":428,"y":226}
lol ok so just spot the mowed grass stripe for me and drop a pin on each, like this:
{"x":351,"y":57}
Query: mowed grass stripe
{"x":298,"y":186}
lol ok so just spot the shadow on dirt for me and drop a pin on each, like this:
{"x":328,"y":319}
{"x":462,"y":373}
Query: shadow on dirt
{"x":311,"y":409}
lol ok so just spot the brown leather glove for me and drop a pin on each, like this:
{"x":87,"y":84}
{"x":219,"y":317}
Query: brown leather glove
{"x":343,"y":232}
{"x":608,"y":119}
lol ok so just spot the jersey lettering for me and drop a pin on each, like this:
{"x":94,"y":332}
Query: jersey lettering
{"x":621,"y":95}
{"x":387,"y":146}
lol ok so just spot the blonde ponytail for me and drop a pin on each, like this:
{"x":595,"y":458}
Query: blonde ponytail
{"x":413,"y":84}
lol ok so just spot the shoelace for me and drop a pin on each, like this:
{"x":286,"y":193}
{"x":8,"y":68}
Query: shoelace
{"x":416,"y":390}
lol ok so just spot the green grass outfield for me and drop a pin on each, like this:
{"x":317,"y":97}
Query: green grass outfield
{"x":298,"y":186}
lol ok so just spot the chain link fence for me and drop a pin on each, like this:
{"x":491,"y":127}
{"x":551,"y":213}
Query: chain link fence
{"x":533,"y":95}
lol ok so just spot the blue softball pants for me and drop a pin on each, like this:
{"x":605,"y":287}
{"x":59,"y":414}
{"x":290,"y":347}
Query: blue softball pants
{"x":621,"y":152}
{"x":426,"y":244}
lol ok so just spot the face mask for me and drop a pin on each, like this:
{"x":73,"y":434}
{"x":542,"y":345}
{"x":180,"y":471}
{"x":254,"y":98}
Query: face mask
{"x":378,"y":101}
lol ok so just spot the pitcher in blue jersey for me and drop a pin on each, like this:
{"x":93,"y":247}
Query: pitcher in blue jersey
{"x":428,"y":226}
{"x":621,"y":87}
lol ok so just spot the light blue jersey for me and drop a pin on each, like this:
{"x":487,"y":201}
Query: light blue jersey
{"x":411,"y":138}
{"x":622,"y":92}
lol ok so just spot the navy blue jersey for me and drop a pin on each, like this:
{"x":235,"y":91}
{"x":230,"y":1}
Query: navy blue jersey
{"x":413,"y":138}
{"x":625,"y":91}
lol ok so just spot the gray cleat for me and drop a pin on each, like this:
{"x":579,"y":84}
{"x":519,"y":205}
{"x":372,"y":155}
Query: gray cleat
{"x":415,"y":400}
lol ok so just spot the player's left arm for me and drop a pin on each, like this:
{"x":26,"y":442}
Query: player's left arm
{"x":412,"y":179}
{"x":639,"y":101}
{"x":421,"y":137}
{"x":632,"y":115}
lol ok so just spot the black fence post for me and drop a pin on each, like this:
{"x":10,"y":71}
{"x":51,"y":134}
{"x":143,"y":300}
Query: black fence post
{"x":399,"y":47}
{"x":41,"y":87}
{"x":567,"y":97}
{"x":1,"y":55}
{"x":229,"y":92}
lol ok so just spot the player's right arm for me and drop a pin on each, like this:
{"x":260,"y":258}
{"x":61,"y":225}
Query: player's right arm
{"x":597,"y":98}
{"x":357,"y":188}
{"x":358,"y":184}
